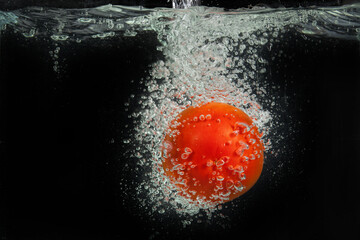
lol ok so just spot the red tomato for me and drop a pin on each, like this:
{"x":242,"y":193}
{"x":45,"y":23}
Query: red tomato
{"x":213,"y":153}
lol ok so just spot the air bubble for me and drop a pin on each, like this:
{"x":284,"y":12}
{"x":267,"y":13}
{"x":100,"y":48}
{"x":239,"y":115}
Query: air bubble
{"x":239,"y":186}
{"x":178,"y":167}
{"x":239,"y":169}
{"x":220,"y":163}
{"x":168,"y":145}
{"x":202,"y":118}
{"x":241,"y":127}
{"x":229,"y":184}
{"x":224,"y":159}
{"x":188,"y":150}
{"x":225,"y":194}
{"x":185,"y":155}
{"x":245,"y":159}
{"x":242,"y":176}
{"x":234,"y":133}
{"x":220,"y":178}
{"x":240,"y":150}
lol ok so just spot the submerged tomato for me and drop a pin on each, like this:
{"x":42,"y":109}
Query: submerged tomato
{"x":213,"y":153}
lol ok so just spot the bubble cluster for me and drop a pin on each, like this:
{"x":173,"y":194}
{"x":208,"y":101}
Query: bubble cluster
{"x":206,"y":59}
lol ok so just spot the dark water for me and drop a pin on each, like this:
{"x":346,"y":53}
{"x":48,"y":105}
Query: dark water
{"x":69,"y":79}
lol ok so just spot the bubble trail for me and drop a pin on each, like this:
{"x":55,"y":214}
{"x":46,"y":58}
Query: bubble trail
{"x":209,"y":56}
{"x":205,"y":61}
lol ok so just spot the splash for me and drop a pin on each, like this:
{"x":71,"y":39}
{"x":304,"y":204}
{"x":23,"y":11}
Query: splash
{"x":185,"y":3}
{"x":206,"y":59}
{"x":114,"y":20}
{"x":208,"y":56}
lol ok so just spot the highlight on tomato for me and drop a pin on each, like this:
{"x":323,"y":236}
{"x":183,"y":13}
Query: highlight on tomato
{"x":212,"y":153}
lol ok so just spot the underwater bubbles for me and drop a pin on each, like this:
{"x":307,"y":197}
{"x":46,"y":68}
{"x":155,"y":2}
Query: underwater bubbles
{"x":203,"y":55}
{"x":209,"y":56}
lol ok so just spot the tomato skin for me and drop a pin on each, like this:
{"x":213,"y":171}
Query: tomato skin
{"x":213,"y":152}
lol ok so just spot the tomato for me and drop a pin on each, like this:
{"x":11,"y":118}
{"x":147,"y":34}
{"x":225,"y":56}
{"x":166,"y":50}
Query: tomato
{"x":212,"y":153}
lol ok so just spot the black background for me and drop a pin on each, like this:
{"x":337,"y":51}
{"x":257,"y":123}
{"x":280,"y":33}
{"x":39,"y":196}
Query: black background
{"x":61,"y":139}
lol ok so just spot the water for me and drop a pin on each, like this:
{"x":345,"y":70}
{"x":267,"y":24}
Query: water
{"x":178,"y":4}
{"x":202,"y":54}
